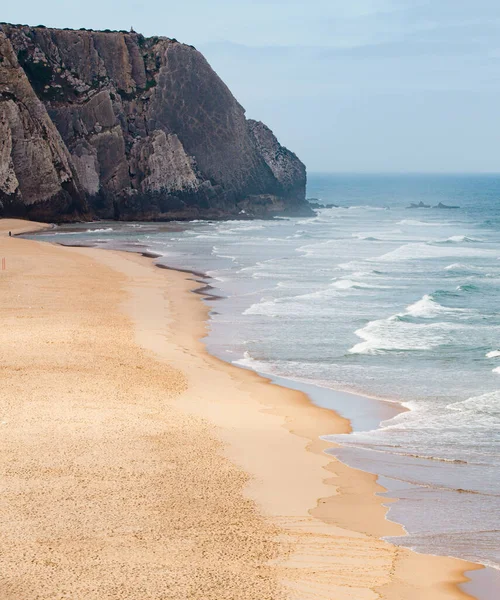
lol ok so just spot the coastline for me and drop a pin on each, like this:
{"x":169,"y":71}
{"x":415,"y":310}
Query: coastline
{"x":318,"y":521}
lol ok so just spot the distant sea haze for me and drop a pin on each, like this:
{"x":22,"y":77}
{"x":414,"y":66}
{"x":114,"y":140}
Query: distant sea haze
{"x":379,"y":299}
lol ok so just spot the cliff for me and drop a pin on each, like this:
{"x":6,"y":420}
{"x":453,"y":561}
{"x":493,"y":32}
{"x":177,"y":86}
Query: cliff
{"x":116,"y":125}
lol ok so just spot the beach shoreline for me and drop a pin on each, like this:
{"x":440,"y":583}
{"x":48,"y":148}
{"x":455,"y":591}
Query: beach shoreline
{"x":319,"y":522}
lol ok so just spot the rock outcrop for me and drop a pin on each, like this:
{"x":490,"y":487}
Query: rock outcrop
{"x":116,"y":125}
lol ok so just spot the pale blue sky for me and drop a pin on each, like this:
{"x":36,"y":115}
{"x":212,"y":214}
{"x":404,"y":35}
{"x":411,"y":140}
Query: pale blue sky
{"x":352,"y":85}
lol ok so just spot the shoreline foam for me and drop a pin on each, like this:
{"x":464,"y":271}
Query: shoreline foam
{"x":328,"y":546}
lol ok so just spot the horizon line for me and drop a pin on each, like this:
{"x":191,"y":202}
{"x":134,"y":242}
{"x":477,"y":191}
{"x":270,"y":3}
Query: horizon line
{"x":447,"y":173}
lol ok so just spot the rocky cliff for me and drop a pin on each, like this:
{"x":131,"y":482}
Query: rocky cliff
{"x":116,"y":125}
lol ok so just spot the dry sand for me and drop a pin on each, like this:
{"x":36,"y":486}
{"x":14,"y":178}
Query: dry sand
{"x":135,"y":465}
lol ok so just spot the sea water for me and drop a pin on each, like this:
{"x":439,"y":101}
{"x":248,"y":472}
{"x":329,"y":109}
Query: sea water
{"x":379,"y":299}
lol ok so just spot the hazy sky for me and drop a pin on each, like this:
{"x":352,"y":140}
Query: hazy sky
{"x":349,"y":85}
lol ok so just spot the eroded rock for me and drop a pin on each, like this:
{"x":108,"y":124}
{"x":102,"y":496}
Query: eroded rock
{"x":115,"y":125}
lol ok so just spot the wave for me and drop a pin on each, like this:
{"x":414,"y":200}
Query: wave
{"x":487,"y":406}
{"x":366,"y":207}
{"x":217,"y":252}
{"x":417,"y":223}
{"x":306,"y":236}
{"x":60,"y":233}
{"x":250,"y":228}
{"x":233,"y":230}
{"x":455,"y":461}
{"x":428,"y":306}
{"x":493,"y":354}
{"x":266,"y":308}
{"x":294,"y":306}
{"x":322,"y":249}
{"x":459,"y":239}
{"x":397,"y":334}
{"x":463,"y":268}
{"x":251,"y":363}
{"x":370,"y":273}
{"x":103,"y":230}
{"x":496,"y":370}
{"x":418,"y":251}
{"x":365,"y":237}
{"x":347,"y":284}
{"x":467,"y":287}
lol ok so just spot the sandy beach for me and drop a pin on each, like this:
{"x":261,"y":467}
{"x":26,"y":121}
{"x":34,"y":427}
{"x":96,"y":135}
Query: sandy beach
{"x":136,"y":465}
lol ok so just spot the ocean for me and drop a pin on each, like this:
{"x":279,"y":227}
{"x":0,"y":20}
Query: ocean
{"x":378,"y":301}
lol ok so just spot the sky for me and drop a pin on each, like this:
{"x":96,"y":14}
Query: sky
{"x":348,"y":85}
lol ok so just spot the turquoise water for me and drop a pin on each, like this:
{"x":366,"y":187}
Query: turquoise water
{"x":375,"y":298}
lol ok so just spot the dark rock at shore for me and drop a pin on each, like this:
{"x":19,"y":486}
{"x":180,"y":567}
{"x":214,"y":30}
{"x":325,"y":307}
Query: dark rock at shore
{"x":441,"y":205}
{"x":315,"y":203}
{"x":116,"y":125}
{"x":419,"y":205}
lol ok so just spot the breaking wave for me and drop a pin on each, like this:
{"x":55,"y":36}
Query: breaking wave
{"x":459,"y":239}
{"x":398,"y":334}
{"x":418,"y":251}
{"x":460,"y":267}
{"x":428,"y":306}
{"x":467,"y":287}
{"x":417,"y":223}
{"x":347,"y":284}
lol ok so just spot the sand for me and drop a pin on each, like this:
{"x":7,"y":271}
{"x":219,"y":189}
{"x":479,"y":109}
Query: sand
{"x":135,"y":465}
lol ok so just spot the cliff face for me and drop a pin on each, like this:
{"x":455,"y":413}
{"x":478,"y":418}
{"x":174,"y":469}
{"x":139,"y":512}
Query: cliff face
{"x":116,"y":125}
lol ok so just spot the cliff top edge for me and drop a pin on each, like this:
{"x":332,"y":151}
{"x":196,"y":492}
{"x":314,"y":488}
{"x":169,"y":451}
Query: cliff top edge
{"x":83,"y":30}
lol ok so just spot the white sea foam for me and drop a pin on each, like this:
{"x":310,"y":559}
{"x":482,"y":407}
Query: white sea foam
{"x":416,"y":223}
{"x":347,"y":284}
{"x":367,"y":207}
{"x":496,"y":370}
{"x":493,"y":354}
{"x":427,"y":306}
{"x":361,"y":274}
{"x":60,"y":233}
{"x":295,"y":306}
{"x":393,"y":334}
{"x":349,"y":266}
{"x":216,"y":275}
{"x":250,"y":228}
{"x":366,"y":237}
{"x":321,"y":249}
{"x":267,"y":308}
{"x":461,"y":267}
{"x":418,"y":251}
{"x":251,"y":363}
{"x":487,"y":404}
{"x":102,"y":230}
{"x":292,"y":370}
{"x":218,"y":252}
{"x":467,"y":287}
{"x":459,"y":239}
{"x":322,"y":294}
{"x":241,"y":228}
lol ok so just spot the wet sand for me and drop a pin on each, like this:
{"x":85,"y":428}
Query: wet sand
{"x":136,"y":465}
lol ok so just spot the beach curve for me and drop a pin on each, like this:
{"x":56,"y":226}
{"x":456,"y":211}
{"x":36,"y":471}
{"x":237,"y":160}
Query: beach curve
{"x":193,"y":481}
